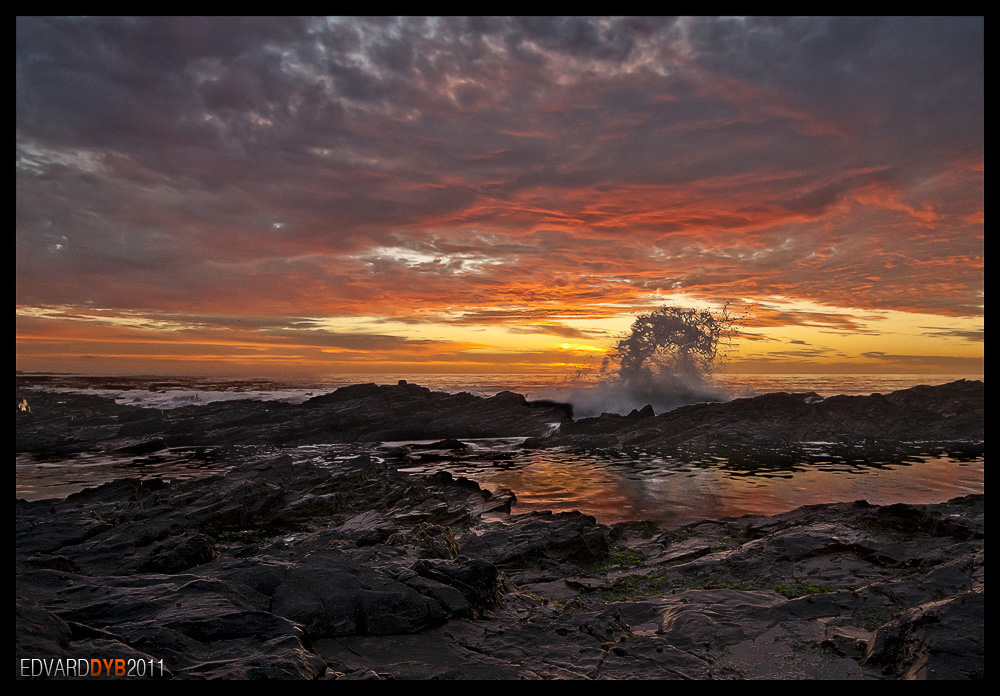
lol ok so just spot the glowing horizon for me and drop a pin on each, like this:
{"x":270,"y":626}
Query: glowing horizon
{"x":305,"y":196}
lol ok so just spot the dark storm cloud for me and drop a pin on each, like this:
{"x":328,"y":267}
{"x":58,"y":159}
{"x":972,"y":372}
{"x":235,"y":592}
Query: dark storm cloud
{"x":295,"y":162}
{"x":868,"y":68}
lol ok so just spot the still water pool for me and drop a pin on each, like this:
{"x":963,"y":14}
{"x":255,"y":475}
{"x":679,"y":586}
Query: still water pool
{"x":613,"y":487}
{"x":616,"y":487}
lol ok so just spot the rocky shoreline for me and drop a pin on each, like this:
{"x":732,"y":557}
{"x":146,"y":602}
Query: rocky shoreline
{"x":350,"y":569}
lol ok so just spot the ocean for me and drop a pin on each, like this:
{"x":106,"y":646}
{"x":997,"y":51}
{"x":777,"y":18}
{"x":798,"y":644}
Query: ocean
{"x":612,"y":487}
{"x":171,"y":392}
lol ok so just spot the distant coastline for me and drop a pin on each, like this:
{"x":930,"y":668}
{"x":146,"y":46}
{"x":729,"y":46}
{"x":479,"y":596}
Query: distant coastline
{"x":532,"y":385}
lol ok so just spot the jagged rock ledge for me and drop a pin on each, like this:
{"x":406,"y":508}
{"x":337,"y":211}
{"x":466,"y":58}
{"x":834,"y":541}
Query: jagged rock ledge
{"x":869,"y":425}
{"x":63,"y":423}
{"x":353,"y":570}
{"x":60,"y":424}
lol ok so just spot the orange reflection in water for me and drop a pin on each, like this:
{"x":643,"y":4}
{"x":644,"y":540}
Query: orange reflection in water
{"x":669,"y":491}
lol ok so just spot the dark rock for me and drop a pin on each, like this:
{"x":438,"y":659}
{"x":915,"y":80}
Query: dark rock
{"x":477,"y":580}
{"x":448,"y":444}
{"x":198,"y":627}
{"x":331,"y":594}
{"x":353,"y":569}
{"x":540,"y":538}
{"x":936,"y":640}
{"x":66,"y":423}
{"x":62,"y":563}
{"x":38,"y":632}
{"x":180,"y":553}
{"x":793,"y":595}
{"x":432,"y":540}
{"x":944,"y":413}
{"x":143,"y":447}
{"x":847,"y":641}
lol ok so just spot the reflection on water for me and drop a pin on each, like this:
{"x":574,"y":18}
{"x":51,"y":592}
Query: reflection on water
{"x":38,"y":477}
{"x":645,"y":486}
{"x":613,"y":487}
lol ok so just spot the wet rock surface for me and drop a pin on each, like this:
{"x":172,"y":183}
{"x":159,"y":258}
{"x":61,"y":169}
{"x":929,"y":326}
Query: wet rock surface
{"x":355,"y":570}
{"x":752,"y":427}
{"x":347,"y":568}
{"x":63,"y":423}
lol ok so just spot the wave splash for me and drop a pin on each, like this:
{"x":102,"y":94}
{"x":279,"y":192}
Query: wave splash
{"x":665,"y":361}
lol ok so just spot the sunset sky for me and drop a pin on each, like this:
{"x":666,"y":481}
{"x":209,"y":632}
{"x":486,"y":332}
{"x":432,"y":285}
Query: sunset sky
{"x":303,"y":197}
